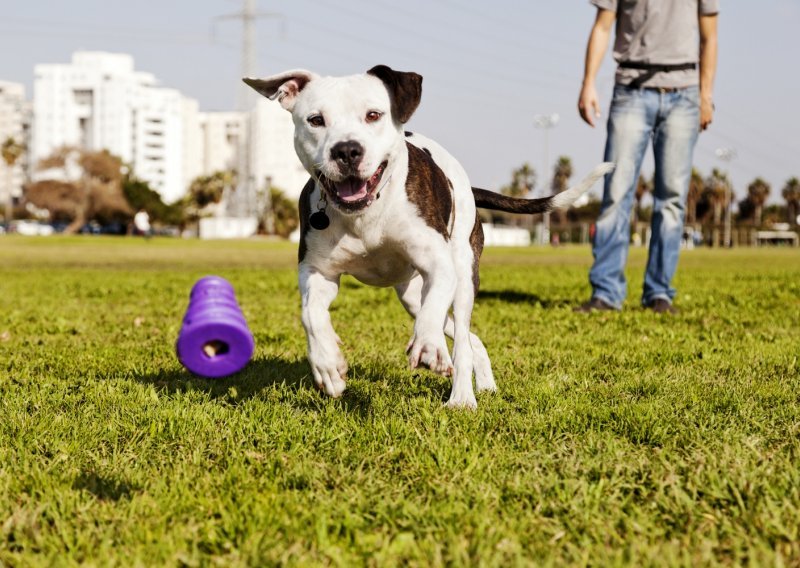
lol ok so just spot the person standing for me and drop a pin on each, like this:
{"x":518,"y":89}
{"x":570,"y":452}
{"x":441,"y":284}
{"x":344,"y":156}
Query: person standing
{"x":141,"y":223}
{"x":666,"y":51}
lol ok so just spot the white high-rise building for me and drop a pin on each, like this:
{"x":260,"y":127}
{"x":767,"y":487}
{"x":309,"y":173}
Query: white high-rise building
{"x":272,"y":152}
{"x":98,"y":101}
{"x":269,"y":131}
{"x":221,"y":137}
{"x":15,"y":125}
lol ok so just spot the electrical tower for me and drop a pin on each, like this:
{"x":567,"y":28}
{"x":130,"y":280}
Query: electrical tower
{"x":244,"y":203}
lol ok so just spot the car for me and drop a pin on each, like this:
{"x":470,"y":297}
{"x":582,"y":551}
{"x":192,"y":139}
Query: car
{"x":31,"y":228}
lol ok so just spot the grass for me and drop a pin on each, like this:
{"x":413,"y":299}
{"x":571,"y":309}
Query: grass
{"x":615,"y":439}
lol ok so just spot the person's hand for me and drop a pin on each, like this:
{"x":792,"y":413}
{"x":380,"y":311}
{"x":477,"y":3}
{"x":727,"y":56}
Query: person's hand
{"x":706,"y":112}
{"x":588,"y":105}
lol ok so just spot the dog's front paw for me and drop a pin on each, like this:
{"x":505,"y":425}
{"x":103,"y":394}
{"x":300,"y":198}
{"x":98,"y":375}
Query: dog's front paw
{"x":329,"y":372}
{"x":429,"y":354}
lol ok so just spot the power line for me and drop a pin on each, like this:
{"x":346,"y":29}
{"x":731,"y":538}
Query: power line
{"x":493,"y":58}
{"x":42,"y":29}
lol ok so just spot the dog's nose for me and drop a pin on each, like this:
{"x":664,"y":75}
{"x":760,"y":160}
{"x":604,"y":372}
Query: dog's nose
{"x":348,"y":153}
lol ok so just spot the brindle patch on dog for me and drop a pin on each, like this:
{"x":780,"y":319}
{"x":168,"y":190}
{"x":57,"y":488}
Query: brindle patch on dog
{"x":476,"y":241}
{"x":427,"y":188}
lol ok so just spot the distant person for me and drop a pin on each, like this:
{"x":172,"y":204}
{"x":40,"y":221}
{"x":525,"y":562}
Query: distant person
{"x":666,"y":52}
{"x":141,"y":223}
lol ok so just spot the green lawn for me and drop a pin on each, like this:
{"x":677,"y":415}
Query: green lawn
{"x":614,"y":439}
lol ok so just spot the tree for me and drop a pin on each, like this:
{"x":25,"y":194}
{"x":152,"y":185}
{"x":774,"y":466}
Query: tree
{"x":87,"y":187}
{"x":757,"y":193}
{"x":284,"y":213}
{"x":523,"y":180}
{"x":140,"y":195}
{"x":693,"y":196}
{"x":210,"y":189}
{"x":61,"y":199}
{"x":205,"y":192}
{"x":791,"y":193}
{"x":717,"y":192}
{"x":11,"y":151}
{"x":561,"y":174}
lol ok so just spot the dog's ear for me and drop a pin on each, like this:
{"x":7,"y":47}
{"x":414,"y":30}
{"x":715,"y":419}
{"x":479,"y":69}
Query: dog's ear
{"x":404,"y":88}
{"x":285,"y":87}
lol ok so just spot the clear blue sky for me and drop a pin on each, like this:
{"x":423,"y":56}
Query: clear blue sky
{"x":489,"y":67}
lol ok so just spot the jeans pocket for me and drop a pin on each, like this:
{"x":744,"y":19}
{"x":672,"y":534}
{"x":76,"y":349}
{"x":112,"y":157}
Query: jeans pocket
{"x":690,"y":96}
{"x":623,"y":96}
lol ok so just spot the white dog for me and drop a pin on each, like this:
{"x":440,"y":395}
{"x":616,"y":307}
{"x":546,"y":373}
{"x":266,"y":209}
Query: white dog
{"x":391,"y":208}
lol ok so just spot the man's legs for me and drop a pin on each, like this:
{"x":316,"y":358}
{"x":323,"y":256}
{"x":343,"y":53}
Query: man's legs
{"x":630,"y":124}
{"x":673,"y":145}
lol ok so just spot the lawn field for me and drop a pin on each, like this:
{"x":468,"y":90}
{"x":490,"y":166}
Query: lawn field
{"x":614,"y":439}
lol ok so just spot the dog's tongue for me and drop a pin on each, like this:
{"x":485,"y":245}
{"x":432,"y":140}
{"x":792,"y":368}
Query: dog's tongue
{"x":351,"y":189}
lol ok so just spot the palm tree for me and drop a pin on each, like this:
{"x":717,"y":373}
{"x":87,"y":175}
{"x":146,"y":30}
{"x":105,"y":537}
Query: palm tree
{"x":693,"y":196}
{"x":791,"y":193}
{"x":11,"y":151}
{"x":208,"y":193}
{"x":757,"y":193}
{"x":561,"y":174}
{"x":717,"y":190}
{"x":523,"y":180}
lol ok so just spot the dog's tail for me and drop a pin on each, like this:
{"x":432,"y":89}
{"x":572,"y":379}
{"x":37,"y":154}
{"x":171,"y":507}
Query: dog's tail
{"x":485,"y":199}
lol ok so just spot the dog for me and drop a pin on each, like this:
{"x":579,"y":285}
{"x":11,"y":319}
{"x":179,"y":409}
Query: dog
{"x":391,"y":208}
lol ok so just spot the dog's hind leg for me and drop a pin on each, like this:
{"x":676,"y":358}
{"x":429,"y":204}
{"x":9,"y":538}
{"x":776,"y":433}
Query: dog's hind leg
{"x":481,"y":364}
{"x":463,"y":394}
{"x":410,"y":295}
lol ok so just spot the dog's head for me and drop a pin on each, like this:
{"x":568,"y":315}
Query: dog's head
{"x":347,"y":129}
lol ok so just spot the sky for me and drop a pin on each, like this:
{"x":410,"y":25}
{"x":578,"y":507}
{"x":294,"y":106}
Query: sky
{"x":489,"y":68}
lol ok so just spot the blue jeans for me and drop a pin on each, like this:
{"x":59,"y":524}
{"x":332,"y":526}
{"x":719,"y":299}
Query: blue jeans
{"x":672,"y":121}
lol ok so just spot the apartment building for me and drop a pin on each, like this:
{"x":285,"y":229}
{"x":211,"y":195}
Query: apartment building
{"x":99,"y":101}
{"x":15,"y":116}
{"x":272,"y":152}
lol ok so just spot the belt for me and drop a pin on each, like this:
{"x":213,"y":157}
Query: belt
{"x":651,"y":69}
{"x":657,"y":67}
{"x":663,"y":90}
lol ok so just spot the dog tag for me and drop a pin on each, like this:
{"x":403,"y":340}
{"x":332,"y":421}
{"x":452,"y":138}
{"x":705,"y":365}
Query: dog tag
{"x":319,"y":220}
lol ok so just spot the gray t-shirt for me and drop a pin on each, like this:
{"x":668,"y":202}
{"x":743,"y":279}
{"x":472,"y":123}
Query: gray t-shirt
{"x":661,"y":32}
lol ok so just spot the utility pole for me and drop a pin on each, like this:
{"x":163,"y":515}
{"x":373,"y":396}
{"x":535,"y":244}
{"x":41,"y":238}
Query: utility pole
{"x":245,"y":104}
{"x":546,"y":122}
{"x":727,"y":155}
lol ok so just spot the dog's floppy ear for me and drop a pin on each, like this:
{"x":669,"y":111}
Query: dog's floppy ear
{"x":404,"y":88}
{"x":285,"y":87}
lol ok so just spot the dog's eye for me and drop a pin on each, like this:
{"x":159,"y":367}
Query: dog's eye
{"x":316,"y":120}
{"x":374,"y":116}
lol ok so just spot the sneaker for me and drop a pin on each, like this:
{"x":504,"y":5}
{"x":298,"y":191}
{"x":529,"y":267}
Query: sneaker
{"x":662,"y":306}
{"x":595,"y":304}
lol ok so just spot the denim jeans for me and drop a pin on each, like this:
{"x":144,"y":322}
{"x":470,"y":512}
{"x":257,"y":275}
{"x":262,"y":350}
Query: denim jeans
{"x":671,"y":119}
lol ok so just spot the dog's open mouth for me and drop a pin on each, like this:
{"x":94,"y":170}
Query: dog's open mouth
{"x":353,"y":193}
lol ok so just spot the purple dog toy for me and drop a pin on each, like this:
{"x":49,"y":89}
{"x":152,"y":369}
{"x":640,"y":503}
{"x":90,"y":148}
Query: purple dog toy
{"x":214,"y":340}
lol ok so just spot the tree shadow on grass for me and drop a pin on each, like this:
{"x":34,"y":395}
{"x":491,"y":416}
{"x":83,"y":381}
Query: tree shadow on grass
{"x":517,"y":297}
